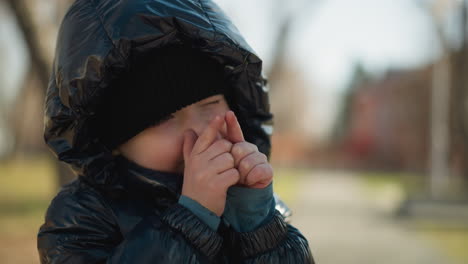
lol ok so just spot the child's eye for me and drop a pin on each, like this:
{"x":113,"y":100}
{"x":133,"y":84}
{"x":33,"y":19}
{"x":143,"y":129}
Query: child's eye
{"x":212,"y":102}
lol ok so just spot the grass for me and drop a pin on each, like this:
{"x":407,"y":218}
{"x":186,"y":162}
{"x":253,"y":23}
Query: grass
{"x":26,"y":188}
{"x":451,"y":241}
{"x":454,"y":242}
{"x":407,"y":182}
{"x":285,"y":182}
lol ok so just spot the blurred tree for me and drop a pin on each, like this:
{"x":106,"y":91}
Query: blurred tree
{"x":459,"y":104}
{"x":285,"y":81}
{"x":342,"y":124}
{"x":448,"y":166}
{"x":40,"y":64}
{"x":26,"y":24}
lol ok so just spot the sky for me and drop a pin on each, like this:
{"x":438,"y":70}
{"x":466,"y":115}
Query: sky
{"x":328,"y":37}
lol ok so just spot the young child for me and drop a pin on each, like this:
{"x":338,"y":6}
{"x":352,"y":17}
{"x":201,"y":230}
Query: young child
{"x":160,"y":109}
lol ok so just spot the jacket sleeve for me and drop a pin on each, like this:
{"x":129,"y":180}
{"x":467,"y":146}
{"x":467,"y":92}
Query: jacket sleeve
{"x":81,"y":228}
{"x":274,"y":242}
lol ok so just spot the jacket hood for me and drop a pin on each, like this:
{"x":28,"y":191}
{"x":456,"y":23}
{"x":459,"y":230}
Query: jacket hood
{"x":96,"y":40}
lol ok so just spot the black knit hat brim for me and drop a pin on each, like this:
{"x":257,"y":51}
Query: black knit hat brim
{"x":156,"y":86}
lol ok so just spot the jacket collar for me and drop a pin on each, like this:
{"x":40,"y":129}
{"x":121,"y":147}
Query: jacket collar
{"x":141,"y":179}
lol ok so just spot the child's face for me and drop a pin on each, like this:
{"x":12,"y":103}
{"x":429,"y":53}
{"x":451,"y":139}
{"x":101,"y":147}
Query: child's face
{"x":160,"y":147}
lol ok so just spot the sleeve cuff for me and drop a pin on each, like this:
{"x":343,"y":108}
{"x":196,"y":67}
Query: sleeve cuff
{"x":248,"y":208}
{"x":193,"y":229}
{"x":263,"y":239}
{"x":208,"y":217}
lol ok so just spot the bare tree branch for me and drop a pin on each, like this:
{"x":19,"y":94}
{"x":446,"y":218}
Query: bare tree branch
{"x":39,"y":63}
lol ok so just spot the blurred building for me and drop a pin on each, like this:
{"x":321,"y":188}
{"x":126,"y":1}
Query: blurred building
{"x":388,"y":121}
{"x":385,"y":123}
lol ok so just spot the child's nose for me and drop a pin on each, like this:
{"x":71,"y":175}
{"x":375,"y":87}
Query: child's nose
{"x":200,"y":131}
{"x":199,"y":127}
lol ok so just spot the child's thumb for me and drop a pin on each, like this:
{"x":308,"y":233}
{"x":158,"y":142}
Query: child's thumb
{"x":190,"y":137}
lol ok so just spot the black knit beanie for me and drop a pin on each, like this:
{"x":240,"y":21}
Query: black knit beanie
{"x":156,"y":85}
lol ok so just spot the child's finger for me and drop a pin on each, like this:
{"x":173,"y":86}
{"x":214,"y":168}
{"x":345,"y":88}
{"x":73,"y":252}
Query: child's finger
{"x":228,"y":178}
{"x":190,"y":137}
{"x":260,"y":175}
{"x":242,"y":149}
{"x":234,"y":131}
{"x":223,"y":131}
{"x":218,"y":147}
{"x":248,"y":163}
{"x":209,"y":135}
{"x":222,"y":162}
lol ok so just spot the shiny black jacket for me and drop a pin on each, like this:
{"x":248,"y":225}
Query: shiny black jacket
{"x":145,"y":224}
{"x":117,"y":211}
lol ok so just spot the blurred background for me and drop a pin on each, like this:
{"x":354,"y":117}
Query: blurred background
{"x":370,"y":143}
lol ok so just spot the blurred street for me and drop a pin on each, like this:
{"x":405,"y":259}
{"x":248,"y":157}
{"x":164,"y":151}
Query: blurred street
{"x":343,"y":225}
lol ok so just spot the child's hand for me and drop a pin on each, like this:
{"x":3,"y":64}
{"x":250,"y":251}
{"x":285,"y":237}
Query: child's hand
{"x":253,"y":166}
{"x":209,"y":167}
